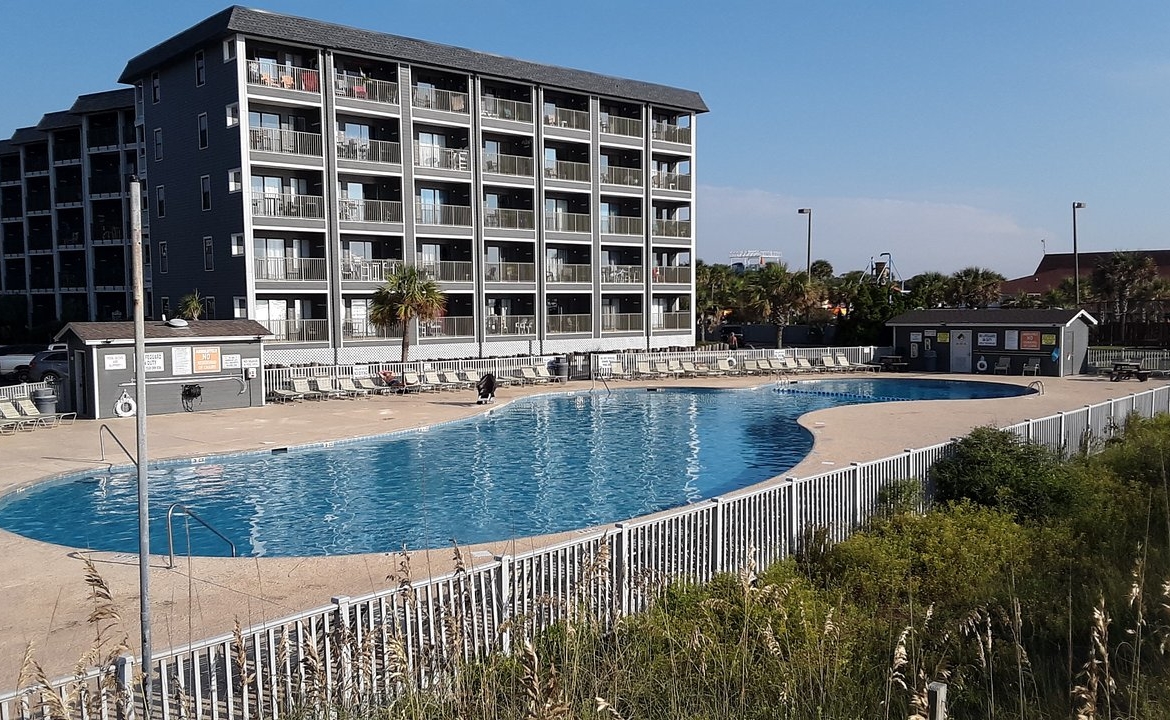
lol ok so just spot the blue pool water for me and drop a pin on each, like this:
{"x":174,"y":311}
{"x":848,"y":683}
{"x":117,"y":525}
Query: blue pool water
{"x":541,"y":464}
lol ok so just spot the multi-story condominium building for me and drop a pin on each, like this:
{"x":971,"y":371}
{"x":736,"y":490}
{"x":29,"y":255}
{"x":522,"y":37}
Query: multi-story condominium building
{"x":64,"y":213}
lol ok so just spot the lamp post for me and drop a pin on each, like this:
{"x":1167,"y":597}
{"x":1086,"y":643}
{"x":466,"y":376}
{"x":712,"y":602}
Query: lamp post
{"x":808,"y":257}
{"x":1076,"y":255}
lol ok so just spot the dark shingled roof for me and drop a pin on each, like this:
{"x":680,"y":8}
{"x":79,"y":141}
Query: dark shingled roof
{"x":157,"y":330}
{"x":338,"y":37}
{"x":58,"y":120}
{"x":26,"y":135}
{"x":990,"y":316}
{"x":6,"y":147}
{"x":102,"y":101}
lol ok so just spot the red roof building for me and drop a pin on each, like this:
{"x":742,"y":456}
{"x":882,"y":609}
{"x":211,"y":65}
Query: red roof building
{"x":1055,"y":267}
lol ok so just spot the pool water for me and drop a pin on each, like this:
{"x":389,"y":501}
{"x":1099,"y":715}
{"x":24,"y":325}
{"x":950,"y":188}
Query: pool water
{"x":539,"y":465}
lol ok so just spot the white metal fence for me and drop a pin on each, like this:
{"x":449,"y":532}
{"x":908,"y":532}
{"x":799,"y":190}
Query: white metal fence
{"x":1150,"y":359}
{"x":360,"y":650}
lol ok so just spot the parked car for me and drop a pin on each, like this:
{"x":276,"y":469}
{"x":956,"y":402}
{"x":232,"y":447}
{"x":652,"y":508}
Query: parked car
{"x":14,"y":359}
{"x":49,"y":366}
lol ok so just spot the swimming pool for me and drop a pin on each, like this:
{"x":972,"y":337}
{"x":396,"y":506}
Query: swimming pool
{"x":541,"y":464}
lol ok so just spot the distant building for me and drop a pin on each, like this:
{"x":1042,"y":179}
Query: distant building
{"x":1055,"y":267}
{"x":744,"y":260}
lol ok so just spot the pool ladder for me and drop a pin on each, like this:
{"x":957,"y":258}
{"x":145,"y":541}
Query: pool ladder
{"x":180,"y":507}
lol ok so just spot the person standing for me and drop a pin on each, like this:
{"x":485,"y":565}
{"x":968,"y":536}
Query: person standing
{"x":732,"y":341}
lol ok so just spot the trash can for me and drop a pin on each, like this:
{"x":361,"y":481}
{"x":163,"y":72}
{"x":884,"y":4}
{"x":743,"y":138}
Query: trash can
{"x":560,"y":368}
{"x":930,"y":361}
{"x":46,"y":400}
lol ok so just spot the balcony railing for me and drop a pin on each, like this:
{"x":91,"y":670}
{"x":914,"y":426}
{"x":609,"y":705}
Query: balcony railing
{"x":372,"y":211}
{"x":106,"y":232}
{"x":105,"y":185}
{"x":567,"y":222}
{"x":565,"y":170}
{"x":435,"y":214}
{"x":672,"y":228}
{"x":101,"y":137}
{"x":671,"y":274}
{"x":615,"y":125}
{"x":508,"y":165}
{"x":270,"y":74}
{"x":365,"y":330}
{"x":509,"y":272}
{"x":68,"y":194}
{"x":614,"y":175}
{"x":671,"y":181}
{"x":362,"y":88}
{"x":297,"y":330}
{"x":379,"y":151}
{"x":436,"y":99}
{"x":447,"y":270}
{"x":287,"y":205}
{"x":569,"y":274}
{"x":621,"y":225}
{"x":503,"y":109}
{"x":621,"y":322}
{"x":566,"y":118}
{"x":447,"y":327}
{"x":365,"y":270}
{"x":569,"y":324}
{"x":433,"y":156}
{"x":672,"y":133}
{"x":289,"y":268}
{"x":673,"y":321}
{"x":510,"y":325}
{"x":621,"y":274}
{"x":509,"y":219}
{"x":291,"y":142}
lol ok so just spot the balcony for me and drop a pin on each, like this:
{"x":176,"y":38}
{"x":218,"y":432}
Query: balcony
{"x":287,"y":205}
{"x":371,"y":211}
{"x":379,"y":151}
{"x":491,"y":107}
{"x":101,"y":137}
{"x":566,"y":118}
{"x":447,"y":327}
{"x":679,"y":275}
{"x":565,"y":170}
{"x":569,"y":324}
{"x":269,"y":74}
{"x":516,"y":165}
{"x":621,"y":274}
{"x":615,"y":125}
{"x":289,"y":142}
{"x":447,"y":270}
{"x":433,"y":156}
{"x":366,"y":330}
{"x":570,"y":274}
{"x":509,"y":272}
{"x":364,"y":270}
{"x":621,"y":322}
{"x":362,"y":88}
{"x":613,"y":175}
{"x":672,"y":133}
{"x":435,"y":99}
{"x":673,"y":321}
{"x":436,"y":214}
{"x":509,"y":219}
{"x":672,"y":228}
{"x":567,"y":222}
{"x":290,"y":268}
{"x":297,"y":330}
{"x":510,"y":325}
{"x":670,"y":181}
{"x":105,"y":185}
{"x":107,"y":234}
{"x":621,"y":225}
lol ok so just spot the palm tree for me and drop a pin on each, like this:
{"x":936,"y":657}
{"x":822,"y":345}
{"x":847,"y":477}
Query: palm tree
{"x":191,"y":306}
{"x":975,"y":287}
{"x":928,"y":290}
{"x":1122,"y":279}
{"x":714,"y":294}
{"x":407,"y":295}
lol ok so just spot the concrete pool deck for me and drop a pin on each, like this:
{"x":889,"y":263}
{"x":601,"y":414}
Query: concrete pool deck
{"x":44,"y":600}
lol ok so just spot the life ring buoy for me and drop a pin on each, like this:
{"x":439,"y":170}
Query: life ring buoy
{"x":981,"y":366}
{"x":731,"y":360}
{"x":125,"y":406}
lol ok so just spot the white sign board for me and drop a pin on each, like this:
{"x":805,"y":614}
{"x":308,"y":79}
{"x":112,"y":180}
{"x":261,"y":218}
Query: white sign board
{"x":1011,"y":339}
{"x":915,"y":337}
{"x":230,"y":362}
{"x":153,"y":362}
{"x":988,"y":339}
{"x":250,"y":362}
{"x":116,"y":362}
{"x":605,"y":362}
{"x":181,"y":360}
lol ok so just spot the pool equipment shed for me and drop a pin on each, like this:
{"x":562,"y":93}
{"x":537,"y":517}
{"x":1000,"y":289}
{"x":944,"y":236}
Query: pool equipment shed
{"x":189,"y":366}
{"x":1053,"y":343}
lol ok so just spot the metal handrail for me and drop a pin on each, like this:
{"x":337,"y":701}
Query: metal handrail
{"x":191,"y":514}
{"x":102,"y":444}
{"x":1036,"y":385}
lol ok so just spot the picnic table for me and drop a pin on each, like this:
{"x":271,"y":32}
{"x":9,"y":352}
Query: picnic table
{"x":892,"y":363}
{"x":1128,"y":370}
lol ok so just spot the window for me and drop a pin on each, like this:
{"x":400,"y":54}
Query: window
{"x":202,"y":125}
{"x":209,"y":308}
{"x":200,"y":69}
{"x":240,"y":308}
{"x":138,"y":97}
{"x":237,"y":244}
{"x":155,"y":88}
{"x":163,"y":265}
{"x":160,"y":201}
{"x":235,"y":180}
{"x":148,"y":305}
{"x":146,"y":256}
{"x":205,"y":191}
{"x":233,"y":114}
{"x":229,"y":49}
{"x":165,"y":304}
{"x":208,"y":253}
{"x":158,"y":146}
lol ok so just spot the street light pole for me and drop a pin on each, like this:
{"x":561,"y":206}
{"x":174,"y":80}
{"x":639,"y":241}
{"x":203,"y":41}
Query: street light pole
{"x":808,"y":257}
{"x":1076,"y":254}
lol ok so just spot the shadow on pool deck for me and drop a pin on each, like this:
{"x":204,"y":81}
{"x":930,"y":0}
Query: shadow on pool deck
{"x":45,"y":598}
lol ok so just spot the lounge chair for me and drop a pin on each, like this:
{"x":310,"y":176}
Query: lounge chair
{"x":843,"y":362}
{"x":11,"y":416}
{"x":9,"y":427}
{"x":284,"y":395}
{"x":691,"y":370}
{"x":751,"y":366}
{"x":803,"y":365}
{"x":346,"y":386}
{"x":830,"y":365}
{"x":371,"y":385}
{"x":675,"y":368}
{"x":617,"y":371}
{"x":528,"y":375}
{"x":301,"y":385}
{"x":454,"y":381}
{"x":1032,"y":367}
{"x":642,"y":371}
{"x":412,"y":383}
{"x":663,"y":369}
{"x":324,"y":385}
{"x":29,"y":408}
{"x":543,"y":373}
{"x":725,"y":366}
{"x":1002,"y":366}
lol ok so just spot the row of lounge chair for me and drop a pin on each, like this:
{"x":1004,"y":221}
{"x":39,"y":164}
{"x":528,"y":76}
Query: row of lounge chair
{"x":659,"y":369}
{"x":22,"y":414}
{"x":323,"y":388}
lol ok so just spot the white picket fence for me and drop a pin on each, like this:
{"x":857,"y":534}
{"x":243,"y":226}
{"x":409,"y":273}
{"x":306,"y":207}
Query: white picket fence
{"x":357,"y":651}
{"x":1154,"y":360}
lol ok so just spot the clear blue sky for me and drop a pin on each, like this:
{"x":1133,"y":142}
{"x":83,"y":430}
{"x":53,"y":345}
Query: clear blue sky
{"x":946,"y":133}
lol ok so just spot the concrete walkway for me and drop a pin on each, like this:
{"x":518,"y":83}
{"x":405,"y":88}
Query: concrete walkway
{"x":44,"y":597}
